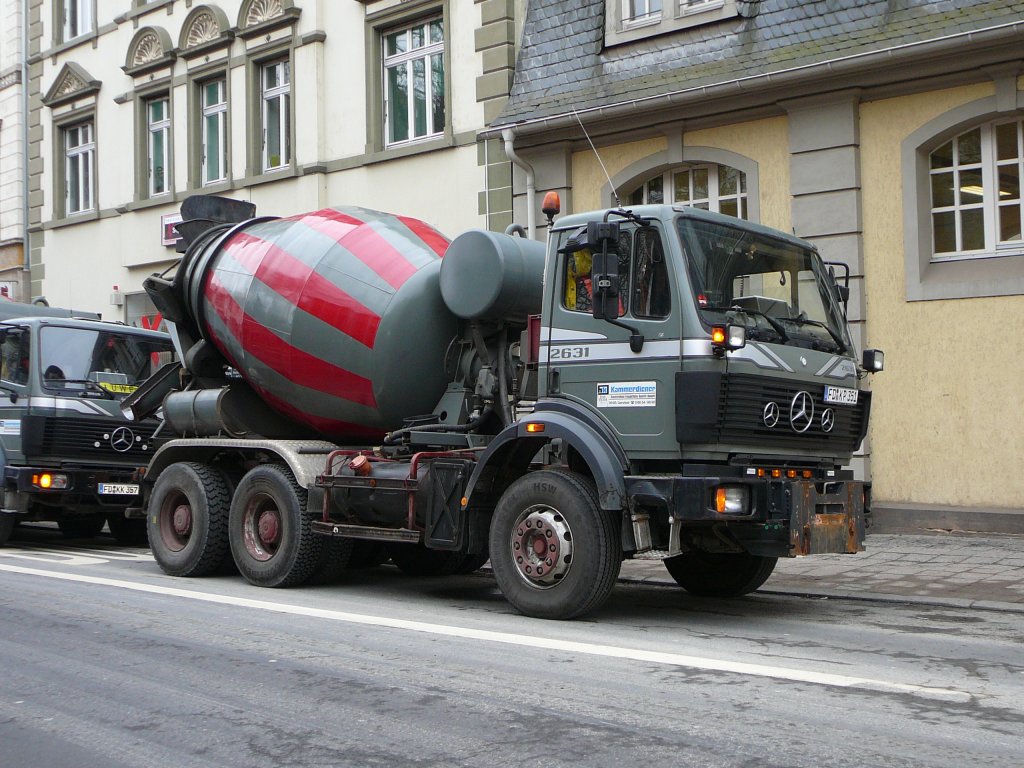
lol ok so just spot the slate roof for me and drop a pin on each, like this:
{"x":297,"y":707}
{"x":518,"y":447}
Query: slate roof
{"x":563,"y":63}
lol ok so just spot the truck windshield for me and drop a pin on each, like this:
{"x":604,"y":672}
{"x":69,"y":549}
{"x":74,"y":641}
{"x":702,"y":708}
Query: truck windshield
{"x":105,"y":362}
{"x":780,"y":291}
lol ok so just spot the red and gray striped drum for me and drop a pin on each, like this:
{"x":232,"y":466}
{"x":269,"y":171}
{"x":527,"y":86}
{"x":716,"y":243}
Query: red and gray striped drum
{"x":334,"y":317}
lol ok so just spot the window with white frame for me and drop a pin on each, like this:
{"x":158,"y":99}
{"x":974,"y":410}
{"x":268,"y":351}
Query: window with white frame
{"x":414,"y":82}
{"x":158,"y":124}
{"x":976,"y":206}
{"x":641,"y":10}
{"x":693,"y":6}
{"x":275,"y":89}
{"x":712,"y":187}
{"x":79,"y":167}
{"x":214,"y":131}
{"x":77,"y":18}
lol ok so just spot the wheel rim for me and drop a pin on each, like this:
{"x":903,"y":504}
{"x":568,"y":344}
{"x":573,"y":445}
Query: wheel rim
{"x":261,"y":527}
{"x":175,"y":521}
{"x":541,"y":544}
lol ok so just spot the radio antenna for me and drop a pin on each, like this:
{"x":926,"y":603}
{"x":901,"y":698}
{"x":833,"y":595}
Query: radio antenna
{"x":615,"y":194}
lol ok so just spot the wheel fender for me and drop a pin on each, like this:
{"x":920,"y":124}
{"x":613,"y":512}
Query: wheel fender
{"x":605,"y":461}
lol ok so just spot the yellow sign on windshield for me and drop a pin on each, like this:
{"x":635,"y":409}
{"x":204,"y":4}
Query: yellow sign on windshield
{"x":121,"y":389}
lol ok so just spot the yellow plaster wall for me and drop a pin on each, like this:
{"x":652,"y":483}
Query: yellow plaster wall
{"x":764,"y":141}
{"x":947,"y":424}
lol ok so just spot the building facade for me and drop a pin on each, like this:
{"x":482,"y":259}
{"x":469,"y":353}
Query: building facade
{"x":13,"y":273}
{"x":291,"y":105}
{"x":889,"y":134}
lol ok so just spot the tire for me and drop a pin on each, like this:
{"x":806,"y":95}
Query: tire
{"x":81,"y":527}
{"x":187,"y":520}
{"x":709,"y":574}
{"x":583,"y":554}
{"x":128,"y":532}
{"x":271,"y":539}
{"x":418,"y":561}
{"x":335,"y":555}
{"x":7,"y":523}
{"x":367,"y":554}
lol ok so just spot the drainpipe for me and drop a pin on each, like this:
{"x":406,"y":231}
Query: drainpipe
{"x":508,"y":137}
{"x":26,"y":250}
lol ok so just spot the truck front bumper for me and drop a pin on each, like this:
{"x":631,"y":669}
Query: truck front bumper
{"x":783,"y":517}
{"x":81,"y":492}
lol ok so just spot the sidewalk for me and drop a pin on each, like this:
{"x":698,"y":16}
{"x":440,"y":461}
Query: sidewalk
{"x":952,"y":569}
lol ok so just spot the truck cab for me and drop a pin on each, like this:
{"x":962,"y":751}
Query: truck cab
{"x":66,"y":451}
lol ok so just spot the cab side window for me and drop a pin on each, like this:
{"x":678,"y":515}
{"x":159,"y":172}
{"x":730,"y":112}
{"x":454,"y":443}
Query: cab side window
{"x":14,"y":356}
{"x":651,"y":296}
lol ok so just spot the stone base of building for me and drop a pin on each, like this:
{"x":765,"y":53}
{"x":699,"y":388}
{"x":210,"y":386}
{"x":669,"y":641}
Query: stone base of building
{"x":890,"y":517}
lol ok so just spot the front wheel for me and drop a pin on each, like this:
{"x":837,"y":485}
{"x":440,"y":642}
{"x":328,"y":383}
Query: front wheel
{"x":555,"y":553}
{"x":272,"y":541}
{"x":187,"y":520}
{"x":712,"y":574}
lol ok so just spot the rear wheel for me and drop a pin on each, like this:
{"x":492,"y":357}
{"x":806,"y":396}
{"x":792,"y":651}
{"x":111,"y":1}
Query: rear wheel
{"x":272,"y":541}
{"x":7,"y":523}
{"x":128,"y":532}
{"x":81,"y":527}
{"x":555,"y":552}
{"x":712,"y":574}
{"x":188,"y":520}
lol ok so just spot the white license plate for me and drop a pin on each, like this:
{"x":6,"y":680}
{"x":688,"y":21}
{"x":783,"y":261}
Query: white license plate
{"x":118,"y":489}
{"x":841,"y":395}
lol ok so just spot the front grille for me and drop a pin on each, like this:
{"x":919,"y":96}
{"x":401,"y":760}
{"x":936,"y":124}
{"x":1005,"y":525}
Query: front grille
{"x":94,"y":440}
{"x":741,"y":415}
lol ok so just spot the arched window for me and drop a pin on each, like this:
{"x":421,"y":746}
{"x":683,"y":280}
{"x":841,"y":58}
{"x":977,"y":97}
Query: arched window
{"x":976,"y":206}
{"x":711,"y":186}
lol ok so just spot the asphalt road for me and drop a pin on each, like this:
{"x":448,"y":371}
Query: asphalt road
{"x":105,"y":661}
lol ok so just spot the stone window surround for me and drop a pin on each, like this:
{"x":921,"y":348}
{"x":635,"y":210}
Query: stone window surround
{"x":255,"y":61}
{"x":156,"y":89}
{"x":376,"y":24}
{"x":196,"y":80}
{"x":964,"y":278}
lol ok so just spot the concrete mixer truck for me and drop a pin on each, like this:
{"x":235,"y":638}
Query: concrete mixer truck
{"x":660,"y":381}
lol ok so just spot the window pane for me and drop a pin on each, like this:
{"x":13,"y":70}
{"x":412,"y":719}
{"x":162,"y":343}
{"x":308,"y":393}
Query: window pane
{"x":419,"y":93}
{"x":212,"y":148}
{"x":436,"y":31}
{"x":943,"y":156}
{"x":700,"y":183}
{"x":286,"y":150}
{"x":212,"y":93}
{"x":970,"y":187}
{"x":969,"y":146}
{"x":437,"y":91}
{"x":942,"y":190}
{"x":681,"y":182}
{"x":656,"y":190}
{"x":944,"y":232}
{"x":74,"y":182}
{"x":972,"y":229}
{"x":273,"y":128}
{"x":727,"y":181}
{"x":1006,"y":141}
{"x":270,"y":77}
{"x":637,"y":198}
{"x":398,"y":117}
{"x":158,"y":170}
{"x":1009,"y":223}
{"x":418,"y":36}
{"x":728,"y":207}
{"x":394,"y":43}
{"x":1009,"y":182}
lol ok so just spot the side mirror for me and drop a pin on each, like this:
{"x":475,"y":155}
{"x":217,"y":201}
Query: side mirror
{"x":603,"y":237}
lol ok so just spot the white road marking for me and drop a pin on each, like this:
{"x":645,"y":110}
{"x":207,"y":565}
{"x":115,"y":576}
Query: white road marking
{"x":75,"y":557}
{"x":567,"y":646}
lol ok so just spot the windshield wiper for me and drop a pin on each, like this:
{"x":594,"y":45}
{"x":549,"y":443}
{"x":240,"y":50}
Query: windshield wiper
{"x":776,"y":326}
{"x":89,"y":385}
{"x":818,"y":324}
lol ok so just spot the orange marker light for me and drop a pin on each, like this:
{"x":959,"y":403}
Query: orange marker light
{"x":44,"y":480}
{"x":718,"y":335}
{"x":533,"y":427}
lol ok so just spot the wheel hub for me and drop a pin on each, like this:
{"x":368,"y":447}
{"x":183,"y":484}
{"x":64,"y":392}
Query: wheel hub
{"x":542,"y":546}
{"x":182,"y":519}
{"x":269,"y":527}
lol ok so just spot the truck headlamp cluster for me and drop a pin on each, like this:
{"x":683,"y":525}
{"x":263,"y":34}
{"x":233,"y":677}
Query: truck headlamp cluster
{"x":732,"y":499}
{"x":50,"y":481}
{"x":725,"y":337}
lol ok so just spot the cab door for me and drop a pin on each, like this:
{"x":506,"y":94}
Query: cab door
{"x":15,"y":372}
{"x":591,"y":362}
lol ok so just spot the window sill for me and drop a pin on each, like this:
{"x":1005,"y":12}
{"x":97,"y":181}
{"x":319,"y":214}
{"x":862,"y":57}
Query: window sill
{"x":999,"y":274}
{"x":408,"y":150}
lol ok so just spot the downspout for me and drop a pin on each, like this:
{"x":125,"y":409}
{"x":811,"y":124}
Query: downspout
{"x":508,"y":137}
{"x":26,"y":250}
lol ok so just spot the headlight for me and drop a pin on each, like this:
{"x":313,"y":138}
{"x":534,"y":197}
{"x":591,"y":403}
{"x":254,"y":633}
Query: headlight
{"x":50,"y":481}
{"x":732,"y":499}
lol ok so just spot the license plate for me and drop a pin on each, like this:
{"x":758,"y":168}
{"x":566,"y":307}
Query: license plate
{"x":118,"y":489}
{"x":841,"y":395}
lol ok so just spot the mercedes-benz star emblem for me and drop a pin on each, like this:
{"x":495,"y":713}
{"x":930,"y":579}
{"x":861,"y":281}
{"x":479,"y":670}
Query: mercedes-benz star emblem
{"x":828,"y":420}
{"x":122,"y":439}
{"x":801,"y":412}
{"x":771,"y":415}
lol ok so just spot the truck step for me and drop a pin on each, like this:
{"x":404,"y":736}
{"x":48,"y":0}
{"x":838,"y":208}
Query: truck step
{"x":365,"y":532}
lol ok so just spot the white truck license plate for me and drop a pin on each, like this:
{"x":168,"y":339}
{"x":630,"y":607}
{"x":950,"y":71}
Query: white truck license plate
{"x":118,"y":489}
{"x":841,"y":395}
